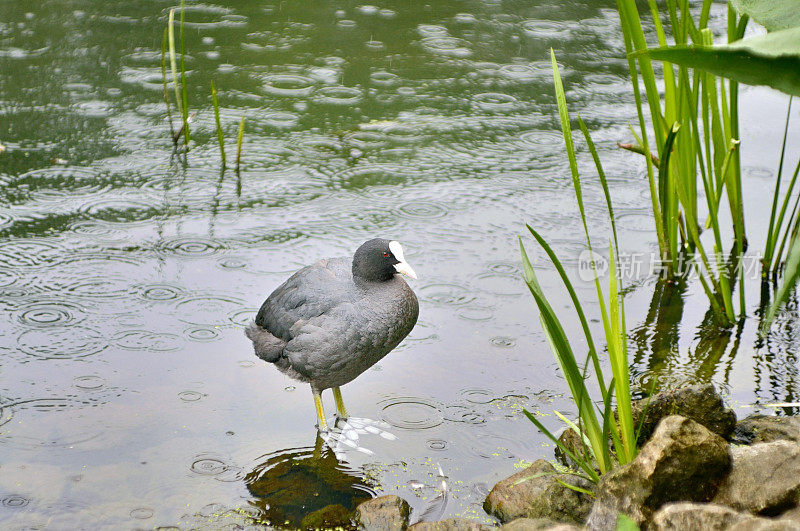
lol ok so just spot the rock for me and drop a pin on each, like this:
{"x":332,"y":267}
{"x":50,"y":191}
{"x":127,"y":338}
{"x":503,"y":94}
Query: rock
{"x":713,"y":517}
{"x":326,"y":518}
{"x":682,"y":461}
{"x":765,"y":524}
{"x":687,"y":515}
{"x":792,"y":514}
{"x":384,"y":513}
{"x":574,"y":444}
{"x":537,"y":524}
{"x":765,"y":478}
{"x":451,"y":524}
{"x":700,"y":403}
{"x":535,"y":493}
{"x":763,"y":428}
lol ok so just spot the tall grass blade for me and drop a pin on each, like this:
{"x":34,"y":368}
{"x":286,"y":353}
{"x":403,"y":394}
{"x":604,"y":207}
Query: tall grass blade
{"x":184,"y":90}
{"x":220,"y":136}
{"x":239,"y":139}
{"x":586,"y":467}
{"x":562,"y":350}
{"x":174,"y":68}
{"x":164,"y":81}
{"x":790,"y":277}
{"x":529,"y":276}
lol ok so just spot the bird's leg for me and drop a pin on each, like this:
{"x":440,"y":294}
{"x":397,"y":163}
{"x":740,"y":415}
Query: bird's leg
{"x":337,"y":396}
{"x":322,"y":424}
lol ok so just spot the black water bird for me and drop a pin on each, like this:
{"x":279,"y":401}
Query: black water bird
{"x":333,"y":320}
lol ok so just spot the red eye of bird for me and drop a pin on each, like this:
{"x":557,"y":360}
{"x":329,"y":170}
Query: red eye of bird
{"x":385,"y":254}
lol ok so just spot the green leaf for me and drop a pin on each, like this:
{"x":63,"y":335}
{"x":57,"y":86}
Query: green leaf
{"x":772,"y":59}
{"x":576,"y":488}
{"x":772,"y":14}
{"x":590,"y":471}
{"x":626,"y":523}
{"x":790,"y":276}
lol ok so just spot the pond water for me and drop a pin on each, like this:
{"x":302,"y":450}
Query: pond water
{"x":129,"y":395}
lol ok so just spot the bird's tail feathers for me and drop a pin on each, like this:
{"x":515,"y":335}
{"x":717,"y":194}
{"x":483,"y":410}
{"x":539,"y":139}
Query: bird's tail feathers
{"x":267,"y":347}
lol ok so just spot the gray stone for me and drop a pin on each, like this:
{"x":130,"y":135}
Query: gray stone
{"x":765,"y":478}
{"x":792,"y":514}
{"x":763,"y":428}
{"x":765,"y":524}
{"x":535,"y":492}
{"x":451,"y":524}
{"x":700,"y":403}
{"x":384,"y":513}
{"x":573,"y":442}
{"x":705,"y":516}
{"x":682,"y":461}
{"x":537,"y":524}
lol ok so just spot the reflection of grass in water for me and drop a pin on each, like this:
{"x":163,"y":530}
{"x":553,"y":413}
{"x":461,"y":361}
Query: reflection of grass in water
{"x":288,"y":486}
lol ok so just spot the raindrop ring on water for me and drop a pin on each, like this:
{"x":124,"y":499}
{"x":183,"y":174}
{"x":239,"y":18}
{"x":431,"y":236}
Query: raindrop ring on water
{"x":411,"y":413}
{"x":14,"y":501}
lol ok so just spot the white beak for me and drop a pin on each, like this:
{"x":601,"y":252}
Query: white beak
{"x":405,"y":269}
{"x":402,"y":267}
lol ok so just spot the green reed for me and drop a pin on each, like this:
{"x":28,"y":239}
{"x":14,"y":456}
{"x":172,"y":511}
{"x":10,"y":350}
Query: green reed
{"x":164,"y":81}
{"x":695,"y":130}
{"x":220,"y":137}
{"x":181,"y":92}
{"x":595,"y":428}
{"x":239,"y":139}
{"x":777,"y":231}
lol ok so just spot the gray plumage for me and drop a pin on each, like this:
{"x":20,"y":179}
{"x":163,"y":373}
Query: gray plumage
{"x":332,"y":320}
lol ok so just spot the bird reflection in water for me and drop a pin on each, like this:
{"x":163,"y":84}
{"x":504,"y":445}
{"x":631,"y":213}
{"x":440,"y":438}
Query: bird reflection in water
{"x":307,"y":488}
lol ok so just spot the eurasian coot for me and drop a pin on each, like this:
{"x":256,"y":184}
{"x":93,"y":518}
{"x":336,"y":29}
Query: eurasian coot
{"x":335,"y":319}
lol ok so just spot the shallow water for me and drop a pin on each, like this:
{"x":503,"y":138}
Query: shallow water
{"x":129,"y":396}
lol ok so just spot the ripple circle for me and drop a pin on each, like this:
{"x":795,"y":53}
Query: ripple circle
{"x":62,"y":343}
{"x":288,"y":85}
{"x":46,"y":314}
{"x":411,"y":413}
{"x":147,"y":340}
{"x":448,"y":294}
{"x":422,"y":210}
{"x":191,"y":247}
{"x":209,"y":466}
{"x":14,"y":501}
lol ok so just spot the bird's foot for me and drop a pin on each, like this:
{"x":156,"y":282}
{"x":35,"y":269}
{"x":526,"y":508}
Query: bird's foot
{"x":375,"y":427}
{"x":345,"y":435}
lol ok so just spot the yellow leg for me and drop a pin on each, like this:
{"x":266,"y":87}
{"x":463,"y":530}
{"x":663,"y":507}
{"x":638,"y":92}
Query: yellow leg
{"x":322,"y":424}
{"x":337,"y":396}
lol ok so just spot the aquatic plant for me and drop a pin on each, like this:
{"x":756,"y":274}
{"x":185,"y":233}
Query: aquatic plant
{"x":695,"y":129}
{"x":220,"y":136}
{"x":239,"y":138}
{"x":774,"y":60}
{"x":599,"y":430}
{"x":181,"y":92}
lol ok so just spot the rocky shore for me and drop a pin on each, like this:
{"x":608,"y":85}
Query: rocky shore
{"x":698,"y":468}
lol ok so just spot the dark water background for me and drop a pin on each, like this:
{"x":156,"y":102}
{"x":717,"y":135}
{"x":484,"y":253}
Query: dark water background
{"x":129,"y":396}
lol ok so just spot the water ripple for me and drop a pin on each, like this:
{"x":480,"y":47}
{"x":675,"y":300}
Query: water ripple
{"x":411,"y":413}
{"x":337,"y":96}
{"x":50,"y":313}
{"x":207,"y":310}
{"x":447,"y":294}
{"x":147,"y":340}
{"x":290,"y":85}
{"x":444,"y":45}
{"x":62,"y":343}
{"x":30,"y":253}
{"x":191,"y":247}
{"x":158,"y":292}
